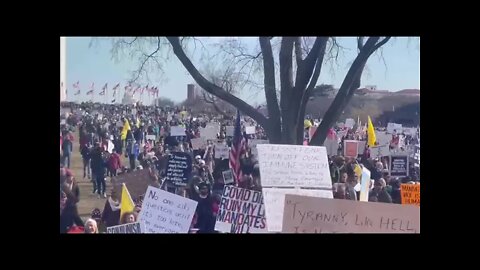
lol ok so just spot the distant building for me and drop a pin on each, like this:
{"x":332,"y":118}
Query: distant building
{"x":191,"y":93}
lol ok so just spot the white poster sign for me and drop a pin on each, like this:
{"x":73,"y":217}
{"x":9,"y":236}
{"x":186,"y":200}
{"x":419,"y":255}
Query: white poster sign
{"x":274,"y":199}
{"x":229,"y":130}
{"x":349,"y":122}
{"x":165,"y":212}
{"x":250,"y":130}
{"x":177,"y":131}
{"x":294,"y":166}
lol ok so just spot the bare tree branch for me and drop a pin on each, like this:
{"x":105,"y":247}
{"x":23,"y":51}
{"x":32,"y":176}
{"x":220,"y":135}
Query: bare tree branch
{"x":298,"y":50}
{"x":212,"y":88}
{"x":147,"y":57}
{"x":270,"y":89}
{"x":347,"y":89}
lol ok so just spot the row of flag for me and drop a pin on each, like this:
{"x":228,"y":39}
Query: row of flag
{"x":128,"y":88}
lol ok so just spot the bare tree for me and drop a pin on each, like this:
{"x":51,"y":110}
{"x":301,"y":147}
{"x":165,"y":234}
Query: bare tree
{"x":299,"y":66}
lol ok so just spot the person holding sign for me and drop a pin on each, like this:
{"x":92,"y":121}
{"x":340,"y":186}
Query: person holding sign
{"x":129,"y":217}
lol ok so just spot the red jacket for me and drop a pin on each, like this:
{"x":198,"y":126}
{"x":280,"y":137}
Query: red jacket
{"x":114,"y":162}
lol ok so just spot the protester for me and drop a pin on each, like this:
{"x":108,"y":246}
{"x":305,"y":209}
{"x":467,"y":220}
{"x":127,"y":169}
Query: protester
{"x":205,"y":210}
{"x":379,"y":192}
{"x":129,"y":217}
{"x":91,"y":226}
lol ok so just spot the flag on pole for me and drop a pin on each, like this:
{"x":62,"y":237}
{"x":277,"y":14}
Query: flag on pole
{"x":92,"y":87}
{"x":372,"y":138}
{"x":104,"y":88}
{"x":238,"y":146}
{"x":77,"y":86}
{"x":126,"y":128}
{"x":126,"y":205}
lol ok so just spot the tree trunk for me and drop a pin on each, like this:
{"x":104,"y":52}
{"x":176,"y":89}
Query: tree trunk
{"x":274,"y":126}
{"x":346,"y":91}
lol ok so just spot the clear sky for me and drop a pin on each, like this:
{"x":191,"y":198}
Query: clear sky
{"x":88,"y":64}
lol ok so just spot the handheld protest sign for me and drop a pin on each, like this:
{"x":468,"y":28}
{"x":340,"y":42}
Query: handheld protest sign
{"x":227,"y":177}
{"x":179,"y":168}
{"x":165,"y":212}
{"x":399,"y":165}
{"x":410,"y":194}
{"x":319,"y":215}
{"x":241,"y":211}
{"x":130,"y":228}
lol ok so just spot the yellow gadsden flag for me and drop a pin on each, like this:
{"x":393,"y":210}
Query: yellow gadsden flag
{"x":126,"y":128}
{"x":126,"y":205}
{"x":372,"y":139}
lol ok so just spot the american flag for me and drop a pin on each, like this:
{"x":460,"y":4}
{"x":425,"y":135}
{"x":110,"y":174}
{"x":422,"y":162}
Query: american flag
{"x":238,"y":146}
{"x":104,"y":88}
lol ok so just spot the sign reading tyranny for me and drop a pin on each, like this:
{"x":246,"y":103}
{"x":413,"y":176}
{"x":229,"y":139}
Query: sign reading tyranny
{"x":318,"y":215}
{"x":133,"y":228}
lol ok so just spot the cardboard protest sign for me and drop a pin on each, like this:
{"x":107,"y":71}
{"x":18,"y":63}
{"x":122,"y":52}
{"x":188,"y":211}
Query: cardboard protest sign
{"x":274,"y":199}
{"x":349,"y":122}
{"x":198,"y":143}
{"x":250,"y":130}
{"x":165,"y":212}
{"x":241,"y":211}
{"x":332,"y":146}
{"x":399,"y":165}
{"x":229,"y":130}
{"x":294,"y":166}
{"x":410,"y":194}
{"x":350,"y":148}
{"x":130,"y":228}
{"x":221,"y":151}
{"x":179,"y":168}
{"x":410,"y":131}
{"x":151,"y":137}
{"x":318,"y":215}
{"x":177,"y":131}
{"x":227,"y":177}
{"x":137,"y":182}
{"x":390,"y":127}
